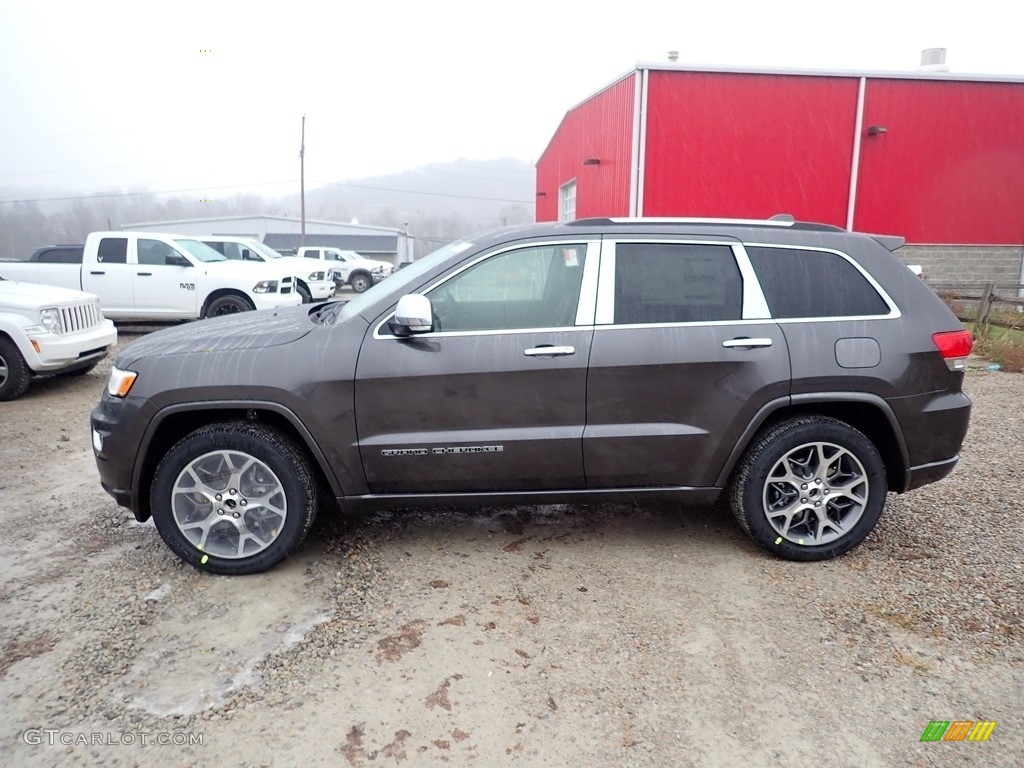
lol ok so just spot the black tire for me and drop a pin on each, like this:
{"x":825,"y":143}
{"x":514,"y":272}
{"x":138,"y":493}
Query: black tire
{"x":290,"y":480}
{"x":307,"y":297}
{"x":228,"y":304}
{"x":14,"y":373}
{"x":823,"y":451}
{"x":360,"y":282}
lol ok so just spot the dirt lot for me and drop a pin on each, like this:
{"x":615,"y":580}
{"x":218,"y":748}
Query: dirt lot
{"x":630,"y":636}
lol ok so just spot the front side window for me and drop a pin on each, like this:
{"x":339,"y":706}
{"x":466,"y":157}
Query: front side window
{"x":154,"y":251}
{"x":801,"y":283}
{"x":676,"y":283}
{"x":535,"y":287}
{"x":567,"y":202}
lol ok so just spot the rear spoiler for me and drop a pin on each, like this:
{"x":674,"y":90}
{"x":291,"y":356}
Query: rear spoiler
{"x":891,"y":242}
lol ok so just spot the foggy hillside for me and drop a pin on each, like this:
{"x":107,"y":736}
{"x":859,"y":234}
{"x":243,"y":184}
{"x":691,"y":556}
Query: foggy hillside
{"x":440,"y":202}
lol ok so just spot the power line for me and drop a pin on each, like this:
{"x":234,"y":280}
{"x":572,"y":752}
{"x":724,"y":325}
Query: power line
{"x":432,"y":194}
{"x":262,"y":184}
{"x":138,"y":194}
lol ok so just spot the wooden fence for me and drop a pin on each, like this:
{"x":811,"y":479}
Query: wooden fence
{"x":991,"y":304}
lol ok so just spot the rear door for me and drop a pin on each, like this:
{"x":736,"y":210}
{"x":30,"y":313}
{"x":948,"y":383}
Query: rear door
{"x":684,"y":356}
{"x":494,"y":398}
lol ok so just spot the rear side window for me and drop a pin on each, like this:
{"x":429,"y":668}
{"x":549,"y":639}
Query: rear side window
{"x":676,"y":283}
{"x":113,"y":250}
{"x":312,"y":254}
{"x":808,"y":283}
{"x":60,"y":256}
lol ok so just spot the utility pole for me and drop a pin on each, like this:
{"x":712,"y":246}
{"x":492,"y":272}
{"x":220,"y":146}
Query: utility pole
{"x":302,"y":181}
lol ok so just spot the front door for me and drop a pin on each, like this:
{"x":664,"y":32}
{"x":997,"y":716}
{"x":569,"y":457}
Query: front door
{"x":494,"y":397}
{"x":162,"y":289}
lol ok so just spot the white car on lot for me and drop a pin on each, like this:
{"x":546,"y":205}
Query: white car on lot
{"x":45,"y":329}
{"x":313,"y":281}
{"x":349,"y":268}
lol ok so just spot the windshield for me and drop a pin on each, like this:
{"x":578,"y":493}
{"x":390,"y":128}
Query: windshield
{"x":399,"y":283}
{"x":266,"y":250}
{"x":201,"y":251}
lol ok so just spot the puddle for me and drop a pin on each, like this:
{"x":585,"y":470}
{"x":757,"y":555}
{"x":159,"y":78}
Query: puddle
{"x":212,"y":632}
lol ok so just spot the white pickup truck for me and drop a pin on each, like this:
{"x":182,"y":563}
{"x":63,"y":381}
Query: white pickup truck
{"x":45,"y":330}
{"x":313,"y":281}
{"x":155,"y":276}
{"x":348,"y":267}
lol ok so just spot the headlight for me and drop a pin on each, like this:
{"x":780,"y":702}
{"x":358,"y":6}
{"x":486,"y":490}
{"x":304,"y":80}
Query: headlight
{"x":121,"y":382}
{"x":315,"y":276}
{"x":265,"y":286}
{"x":49,"y":318}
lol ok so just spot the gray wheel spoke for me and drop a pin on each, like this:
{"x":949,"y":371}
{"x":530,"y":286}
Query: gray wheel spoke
{"x":247,"y":504}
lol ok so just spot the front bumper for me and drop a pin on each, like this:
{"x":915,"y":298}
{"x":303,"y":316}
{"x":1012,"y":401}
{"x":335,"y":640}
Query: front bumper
{"x":69,"y":351}
{"x":321,"y":289}
{"x":276,"y":300}
{"x":115,"y":445}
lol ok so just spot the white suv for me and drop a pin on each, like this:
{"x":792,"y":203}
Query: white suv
{"x":46,"y":329}
{"x":349,"y":268}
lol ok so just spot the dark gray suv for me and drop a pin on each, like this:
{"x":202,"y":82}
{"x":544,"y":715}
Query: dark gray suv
{"x":799,"y":368}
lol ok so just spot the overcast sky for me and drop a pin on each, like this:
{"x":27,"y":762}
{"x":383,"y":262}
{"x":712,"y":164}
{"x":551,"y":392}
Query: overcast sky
{"x":196,"y":96}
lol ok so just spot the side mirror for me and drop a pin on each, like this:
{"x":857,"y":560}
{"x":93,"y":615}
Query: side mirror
{"x":412,"y":315}
{"x":177,"y":260}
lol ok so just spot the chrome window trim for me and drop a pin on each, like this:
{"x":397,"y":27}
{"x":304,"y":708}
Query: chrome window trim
{"x":694,"y":324}
{"x":894,"y":310}
{"x":588,"y":282}
{"x":754,"y":306}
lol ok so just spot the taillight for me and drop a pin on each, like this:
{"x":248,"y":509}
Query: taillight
{"x":954,"y":346}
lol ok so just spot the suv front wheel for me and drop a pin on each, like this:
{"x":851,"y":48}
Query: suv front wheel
{"x":810,"y":488}
{"x":233,"y":498}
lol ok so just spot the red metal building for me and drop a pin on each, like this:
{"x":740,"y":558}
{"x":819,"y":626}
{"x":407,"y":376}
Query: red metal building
{"x":933,"y":156}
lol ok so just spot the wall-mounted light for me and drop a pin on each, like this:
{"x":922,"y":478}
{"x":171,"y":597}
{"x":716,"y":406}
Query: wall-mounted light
{"x":592,"y":161}
{"x":542,"y":194}
{"x":874,"y":130}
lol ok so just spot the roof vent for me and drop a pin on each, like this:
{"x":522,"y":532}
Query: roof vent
{"x":673,"y":56}
{"x":933,"y":60}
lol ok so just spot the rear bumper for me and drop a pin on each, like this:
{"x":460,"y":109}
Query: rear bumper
{"x":929,"y":473}
{"x":934,"y":426}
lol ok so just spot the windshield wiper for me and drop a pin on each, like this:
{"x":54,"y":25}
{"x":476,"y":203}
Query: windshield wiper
{"x":328,"y":313}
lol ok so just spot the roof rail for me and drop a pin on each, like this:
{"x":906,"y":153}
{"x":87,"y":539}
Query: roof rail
{"x":778,"y":220}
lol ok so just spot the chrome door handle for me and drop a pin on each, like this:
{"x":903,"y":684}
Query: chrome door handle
{"x":549,"y":351}
{"x":743,"y":343}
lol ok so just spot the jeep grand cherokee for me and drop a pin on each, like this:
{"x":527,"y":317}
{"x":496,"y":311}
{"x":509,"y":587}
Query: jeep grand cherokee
{"x":798,"y":368}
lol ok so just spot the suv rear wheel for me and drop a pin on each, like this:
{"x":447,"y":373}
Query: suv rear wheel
{"x":809,"y":488}
{"x":234,"y":498}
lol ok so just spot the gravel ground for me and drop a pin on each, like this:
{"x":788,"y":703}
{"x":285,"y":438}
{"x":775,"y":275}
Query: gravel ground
{"x":597,"y":636}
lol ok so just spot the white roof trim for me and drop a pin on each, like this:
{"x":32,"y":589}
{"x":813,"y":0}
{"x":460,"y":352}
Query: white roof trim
{"x":909,"y":74}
